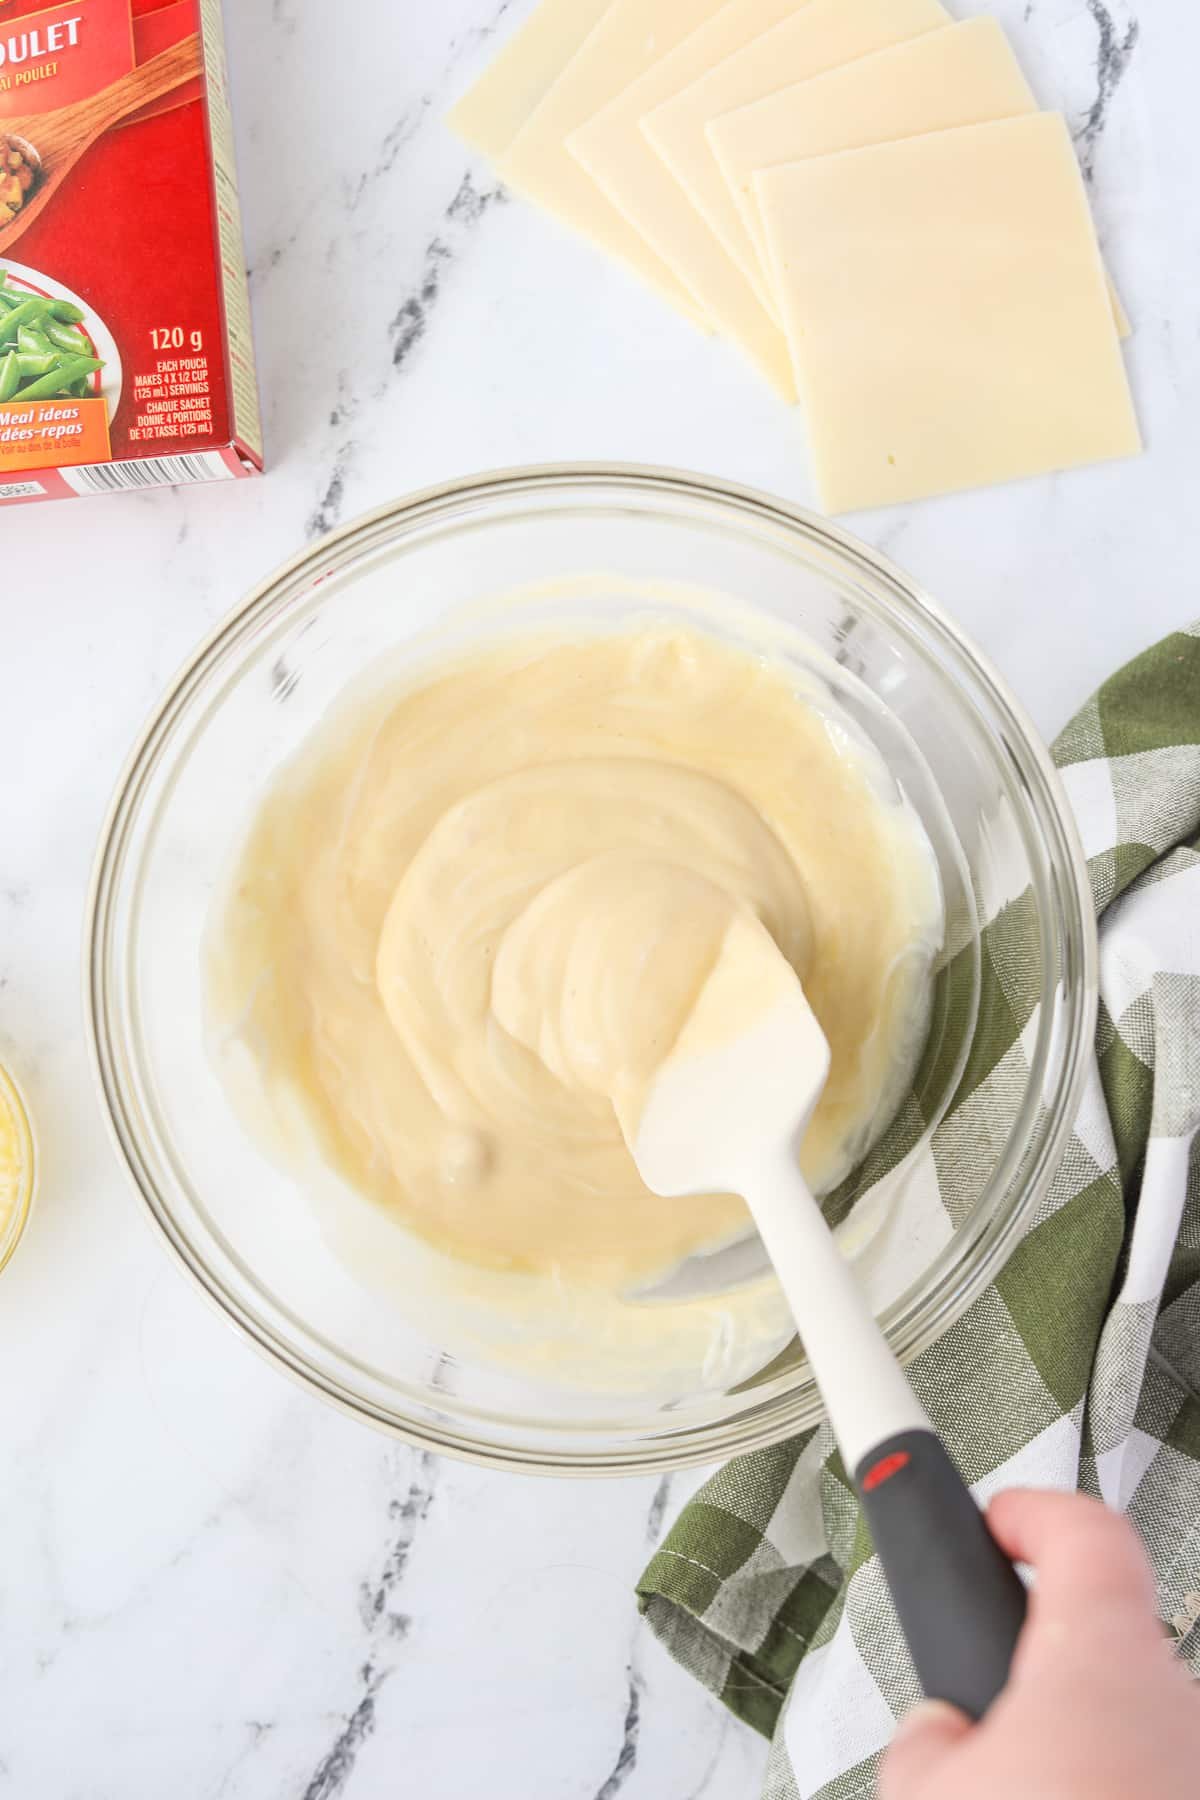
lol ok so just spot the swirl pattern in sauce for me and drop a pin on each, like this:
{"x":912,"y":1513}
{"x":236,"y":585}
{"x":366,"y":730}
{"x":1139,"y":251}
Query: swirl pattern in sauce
{"x":468,"y":913}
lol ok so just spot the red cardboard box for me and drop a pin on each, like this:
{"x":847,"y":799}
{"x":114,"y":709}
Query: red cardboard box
{"x":125,"y":348}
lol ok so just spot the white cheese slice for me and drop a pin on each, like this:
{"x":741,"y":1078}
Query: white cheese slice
{"x":491,"y":113}
{"x":629,"y":37}
{"x":965,"y":75}
{"x":947,"y":311}
{"x":612,"y":149}
{"x":819,"y":36}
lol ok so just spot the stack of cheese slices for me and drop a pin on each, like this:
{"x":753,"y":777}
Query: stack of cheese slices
{"x":862,"y":194}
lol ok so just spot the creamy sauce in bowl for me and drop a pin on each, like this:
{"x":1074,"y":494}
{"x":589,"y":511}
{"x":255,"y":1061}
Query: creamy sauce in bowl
{"x":477,"y":904}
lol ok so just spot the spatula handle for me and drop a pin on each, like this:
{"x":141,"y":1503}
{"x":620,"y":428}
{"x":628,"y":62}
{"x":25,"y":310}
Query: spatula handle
{"x":960,"y":1601}
{"x":866,"y":1392}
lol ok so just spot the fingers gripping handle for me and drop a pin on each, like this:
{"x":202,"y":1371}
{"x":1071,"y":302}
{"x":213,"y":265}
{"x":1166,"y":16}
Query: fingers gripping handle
{"x":960,"y":1601}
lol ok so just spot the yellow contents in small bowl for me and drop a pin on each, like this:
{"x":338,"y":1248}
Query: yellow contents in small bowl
{"x":16,"y":1167}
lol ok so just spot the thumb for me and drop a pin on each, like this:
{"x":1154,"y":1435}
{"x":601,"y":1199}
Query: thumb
{"x":921,"y":1745}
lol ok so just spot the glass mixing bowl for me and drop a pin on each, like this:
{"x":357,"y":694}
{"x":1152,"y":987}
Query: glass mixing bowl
{"x":597,"y":538}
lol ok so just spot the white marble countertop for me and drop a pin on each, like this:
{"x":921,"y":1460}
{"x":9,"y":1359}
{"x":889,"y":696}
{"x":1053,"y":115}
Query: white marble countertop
{"x":211,"y":1585}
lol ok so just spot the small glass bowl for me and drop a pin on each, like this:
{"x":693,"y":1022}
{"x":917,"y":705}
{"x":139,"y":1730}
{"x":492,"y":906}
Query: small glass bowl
{"x":372,"y":593}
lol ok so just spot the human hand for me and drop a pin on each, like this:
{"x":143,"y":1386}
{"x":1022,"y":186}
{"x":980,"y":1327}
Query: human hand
{"x":1096,"y":1708}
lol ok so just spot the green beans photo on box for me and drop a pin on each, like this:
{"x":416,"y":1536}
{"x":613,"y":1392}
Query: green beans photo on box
{"x":50,"y":386}
{"x":44,"y":352}
{"x":67,"y":337}
{"x":30,"y":312}
{"x":32,"y":367}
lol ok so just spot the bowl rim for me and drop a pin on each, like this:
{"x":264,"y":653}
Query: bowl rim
{"x":778,"y":1416}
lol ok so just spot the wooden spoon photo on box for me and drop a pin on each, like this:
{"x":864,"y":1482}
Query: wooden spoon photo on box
{"x":54,"y":142}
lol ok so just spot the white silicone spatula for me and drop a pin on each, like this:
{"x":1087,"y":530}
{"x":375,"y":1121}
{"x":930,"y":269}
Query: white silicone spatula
{"x":725,"y":1113}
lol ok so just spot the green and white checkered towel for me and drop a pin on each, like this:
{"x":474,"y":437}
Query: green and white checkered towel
{"x":1079,"y":1367}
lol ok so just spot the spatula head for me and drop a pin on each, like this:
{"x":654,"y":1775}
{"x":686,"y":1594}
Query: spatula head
{"x":743,"y":1077}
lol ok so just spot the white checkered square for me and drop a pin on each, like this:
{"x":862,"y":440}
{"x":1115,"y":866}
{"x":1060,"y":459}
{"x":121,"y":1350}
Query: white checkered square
{"x":836,"y":1714}
{"x":1119,"y":1470}
{"x":1160,"y":1209}
{"x":797,"y":1528}
{"x":1090,"y":791}
{"x":1049,"y":1460}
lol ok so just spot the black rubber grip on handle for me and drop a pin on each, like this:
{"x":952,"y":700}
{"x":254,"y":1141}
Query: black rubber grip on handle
{"x":960,"y":1601}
